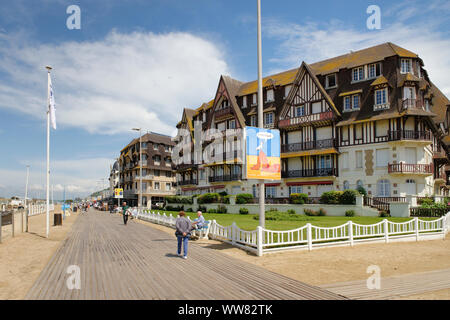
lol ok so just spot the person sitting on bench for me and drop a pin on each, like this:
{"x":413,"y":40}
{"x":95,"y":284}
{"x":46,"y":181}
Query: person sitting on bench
{"x":200,"y":221}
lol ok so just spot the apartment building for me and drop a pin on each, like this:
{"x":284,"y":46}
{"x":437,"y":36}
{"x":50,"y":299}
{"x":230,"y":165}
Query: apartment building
{"x":158,"y":178}
{"x":113,"y":178}
{"x":370,"y":118}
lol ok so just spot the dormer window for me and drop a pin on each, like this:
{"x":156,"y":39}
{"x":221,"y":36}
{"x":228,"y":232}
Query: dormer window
{"x":254,"y":99}
{"x":381,"y":99}
{"x":406,"y":66}
{"x":358,"y":74}
{"x":287,"y":89}
{"x":374,"y":70}
{"x":352,"y":103}
{"x":244,"y":102}
{"x":331,"y":81}
{"x":270,"y":96}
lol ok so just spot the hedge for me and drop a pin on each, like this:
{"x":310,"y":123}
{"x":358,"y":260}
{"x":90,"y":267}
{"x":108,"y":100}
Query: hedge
{"x":208,"y":198}
{"x":298,"y":198}
{"x":179,"y":199}
{"x":244,"y":198}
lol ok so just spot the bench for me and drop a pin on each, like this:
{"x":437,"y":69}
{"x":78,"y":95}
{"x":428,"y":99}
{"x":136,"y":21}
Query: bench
{"x":202,"y":233}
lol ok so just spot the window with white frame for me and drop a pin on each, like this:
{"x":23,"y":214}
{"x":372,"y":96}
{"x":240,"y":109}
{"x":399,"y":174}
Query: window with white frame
{"x":358,"y":74}
{"x":383,"y":188}
{"x":168,"y":186}
{"x":406,"y":65}
{"x":359,"y":159}
{"x":355,"y":101}
{"x":244,"y":102}
{"x":157,"y":186}
{"x":345,"y":160}
{"x":382,"y":157}
{"x":324,"y":162}
{"x":331,"y":81}
{"x":253,"y":121}
{"x":347,"y":103}
{"x":359,"y":184}
{"x":287,"y":89}
{"x":300,"y":111}
{"x":295,"y":189}
{"x":268,"y":118}
{"x":271,"y":192}
{"x":381,"y":97}
{"x":155,"y":146}
{"x":232,"y":124}
{"x":374,"y":70}
{"x":254,"y":96}
{"x":346,"y":185}
{"x":270,"y":96}
{"x":409,"y":93}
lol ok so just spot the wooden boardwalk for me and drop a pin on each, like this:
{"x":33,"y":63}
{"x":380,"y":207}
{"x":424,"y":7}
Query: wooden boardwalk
{"x":140,"y":262}
{"x":393,"y":287}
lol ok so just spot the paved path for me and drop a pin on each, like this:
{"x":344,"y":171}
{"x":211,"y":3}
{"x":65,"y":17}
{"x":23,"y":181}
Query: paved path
{"x":392,"y":287}
{"x":139,"y":262}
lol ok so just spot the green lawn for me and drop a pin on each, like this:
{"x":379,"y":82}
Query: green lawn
{"x":247,"y":222}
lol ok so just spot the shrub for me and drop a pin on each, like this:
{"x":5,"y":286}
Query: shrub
{"x":362,"y":191}
{"x":179,"y":199}
{"x":331,"y":197}
{"x":243,"y":211}
{"x":212,"y":211}
{"x":291,"y":211}
{"x":189,"y":210}
{"x":310,"y":213}
{"x":272,"y":210}
{"x":384,"y":214}
{"x":299,"y":198}
{"x":226,"y":199}
{"x":223,"y":193}
{"x":350,"y":213}
{"x":427,"y":203}
{"x":244,"y":198}
{"x":202,"y":208}
{"x":348,"y":197}
{"x":221,"y":209}
{"x":208,"y":198}
{"x":173,"y":208}
{"x":321,"y":213}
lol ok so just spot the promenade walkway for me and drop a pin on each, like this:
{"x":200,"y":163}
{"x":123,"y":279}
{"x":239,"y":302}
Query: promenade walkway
{"x":140,"y":262}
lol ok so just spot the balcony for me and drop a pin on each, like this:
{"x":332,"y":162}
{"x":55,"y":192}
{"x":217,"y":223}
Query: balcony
{"x":407,"y":168}
{"x":306,"y":119}
{"x":187,"y":182}
{"x":310,"y":173}
{"x":412,"y":104}
{"x":310,"y":145}
{"x":225,"y":178}
{"x":398,"y":135}
{"x":223,"y":112}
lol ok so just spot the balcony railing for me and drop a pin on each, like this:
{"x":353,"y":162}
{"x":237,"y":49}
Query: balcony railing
{"x":223,"y":112}
{"x":310,"y":145}
{"x":306,"y":119}
{"x":410,"y":168}
{"x":308,"y":173}
{"x":412,"y":104}
{"x":187,"y":182}
{"x":225,"y":178}
{"x":409,"y":135}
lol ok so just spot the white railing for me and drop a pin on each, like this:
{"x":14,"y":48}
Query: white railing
{"x":35,"y":209}
{"x":263,"y":240}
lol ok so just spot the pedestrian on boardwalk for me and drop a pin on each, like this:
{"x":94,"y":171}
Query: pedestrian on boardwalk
{"x":125,"y":212}
{"x":184,"y":228}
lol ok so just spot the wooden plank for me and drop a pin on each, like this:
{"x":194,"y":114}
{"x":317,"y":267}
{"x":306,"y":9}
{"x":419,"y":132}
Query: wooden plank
{"x":139,"y":262}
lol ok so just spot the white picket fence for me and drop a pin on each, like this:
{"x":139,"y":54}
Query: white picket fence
{"x":261,"y":240}
{"x":35,"y":209}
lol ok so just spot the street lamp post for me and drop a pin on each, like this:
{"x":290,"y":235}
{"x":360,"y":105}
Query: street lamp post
{"x":26,"y":198}
{"x":140,"y":166}
{"x":260,"y":115}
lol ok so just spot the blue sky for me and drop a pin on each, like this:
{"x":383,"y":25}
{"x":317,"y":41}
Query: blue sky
{"x":139,"y":62}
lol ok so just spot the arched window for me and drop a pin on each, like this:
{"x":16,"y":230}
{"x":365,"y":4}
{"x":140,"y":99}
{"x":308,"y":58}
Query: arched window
{"x":346,"y":185}
{"x":384,"y":188}
{"x":359,"y":184}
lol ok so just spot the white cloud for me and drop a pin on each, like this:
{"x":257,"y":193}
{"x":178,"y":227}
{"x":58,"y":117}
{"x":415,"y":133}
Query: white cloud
{"x":114,"y":84}
{"x":422,"y":34}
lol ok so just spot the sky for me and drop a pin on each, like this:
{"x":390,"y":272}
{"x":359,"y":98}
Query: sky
{"x":138,"y":63}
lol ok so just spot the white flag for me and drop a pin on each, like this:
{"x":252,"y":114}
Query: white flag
{"x":51,"y":103}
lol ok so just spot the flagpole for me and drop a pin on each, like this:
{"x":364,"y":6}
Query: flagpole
{"x":262,"y":219}
{"x":48,"y":162}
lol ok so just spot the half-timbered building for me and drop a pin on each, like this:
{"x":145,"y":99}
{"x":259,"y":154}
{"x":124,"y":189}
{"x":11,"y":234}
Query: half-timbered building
{"x":370,"y":118}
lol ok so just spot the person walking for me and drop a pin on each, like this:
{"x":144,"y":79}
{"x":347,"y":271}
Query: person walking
{"x":125,"y":212}
{"x":183,"y":232}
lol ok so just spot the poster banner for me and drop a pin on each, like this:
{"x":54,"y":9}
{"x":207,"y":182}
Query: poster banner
{"x":118,"y":193}
{"x":263,"y":151}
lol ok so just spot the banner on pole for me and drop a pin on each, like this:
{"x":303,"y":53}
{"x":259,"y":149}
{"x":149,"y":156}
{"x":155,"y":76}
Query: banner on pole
{"x":263,"y":153}
{"x":118,"y":193}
